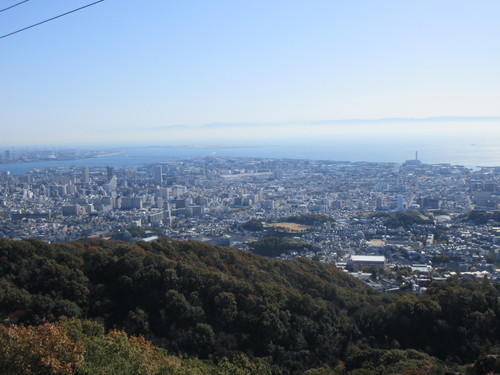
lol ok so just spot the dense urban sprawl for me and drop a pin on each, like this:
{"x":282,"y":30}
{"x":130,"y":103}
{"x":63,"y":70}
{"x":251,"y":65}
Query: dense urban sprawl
{"x":421,"y":221}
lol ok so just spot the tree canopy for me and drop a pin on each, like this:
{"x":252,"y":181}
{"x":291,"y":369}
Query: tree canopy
{"x":236,"y":309}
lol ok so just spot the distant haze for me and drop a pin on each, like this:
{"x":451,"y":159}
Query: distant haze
{"x":465,"y":141}
{"x":261,"y":71}
{"x":432,"y":131}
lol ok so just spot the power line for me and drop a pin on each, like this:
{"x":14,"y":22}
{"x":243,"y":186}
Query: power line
{"x":50,"y":19}
{"x":13,"y":6}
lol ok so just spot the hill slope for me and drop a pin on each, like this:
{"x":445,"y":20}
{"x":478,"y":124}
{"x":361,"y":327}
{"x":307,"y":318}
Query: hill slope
{"x":211,"y":302}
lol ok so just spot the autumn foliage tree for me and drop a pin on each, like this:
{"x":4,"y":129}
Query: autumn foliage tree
{"x":33,"y":350}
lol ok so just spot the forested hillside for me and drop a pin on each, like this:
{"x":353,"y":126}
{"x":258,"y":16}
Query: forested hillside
{"x":225,"y":306}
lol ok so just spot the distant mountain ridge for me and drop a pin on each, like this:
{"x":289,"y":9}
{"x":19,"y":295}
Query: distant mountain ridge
{"x":222,"y":125}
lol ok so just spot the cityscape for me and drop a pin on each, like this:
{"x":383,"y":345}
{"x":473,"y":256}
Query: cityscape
{"x":250,"y":187}
{"x":425,"y":222}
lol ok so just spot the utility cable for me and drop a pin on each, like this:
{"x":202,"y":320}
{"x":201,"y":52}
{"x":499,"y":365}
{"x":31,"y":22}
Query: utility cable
{"x":50,"y":19}
{"x":13,"y":6}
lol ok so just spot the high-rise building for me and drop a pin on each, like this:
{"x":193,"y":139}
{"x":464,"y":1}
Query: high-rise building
{"x":85,"y":175}
{"x":111,"y":185}
{"x":130,"y":203}
{"x":158,"y":175}
{"x":429,"y":202}
{"x":180,"y":203}
{"x":110,"y":172}
{"x":400,"y":204}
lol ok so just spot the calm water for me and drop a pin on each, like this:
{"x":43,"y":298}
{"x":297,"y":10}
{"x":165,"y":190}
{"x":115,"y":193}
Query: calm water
{"x":430,"y":152}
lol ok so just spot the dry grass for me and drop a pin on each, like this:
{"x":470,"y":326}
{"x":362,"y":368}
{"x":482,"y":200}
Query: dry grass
{"x":291,"y":227}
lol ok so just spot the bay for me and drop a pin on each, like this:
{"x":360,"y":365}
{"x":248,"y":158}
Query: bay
{"x":379,"y":150}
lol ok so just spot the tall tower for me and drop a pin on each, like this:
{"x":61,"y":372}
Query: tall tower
{"x":400,"y":206}
{"x":158,"y":175}
{"x":110,"y":172}
{"x":85,"y":175}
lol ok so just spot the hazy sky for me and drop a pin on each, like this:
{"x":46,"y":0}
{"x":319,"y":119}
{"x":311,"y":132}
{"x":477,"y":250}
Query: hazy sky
{"x":114,"y":69}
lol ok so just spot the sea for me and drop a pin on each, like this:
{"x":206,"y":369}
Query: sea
{"x":471,"y":155}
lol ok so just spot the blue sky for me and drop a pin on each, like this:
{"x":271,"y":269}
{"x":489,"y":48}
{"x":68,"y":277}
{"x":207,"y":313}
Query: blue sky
{"x":115,"y":71}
